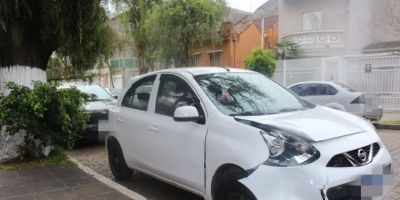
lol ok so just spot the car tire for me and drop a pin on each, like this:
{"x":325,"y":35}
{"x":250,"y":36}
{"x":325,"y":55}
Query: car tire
{"x":116,"y":159}
{"x":235,"y":191}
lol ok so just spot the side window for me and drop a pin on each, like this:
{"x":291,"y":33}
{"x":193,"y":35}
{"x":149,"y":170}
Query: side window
{"x":298,"y":89}
{"x":174,"y":92}
{"x":320,"y":90}
{"x":316,"y":90}
{"x":330,"y":90}
{"x":138,"y":95}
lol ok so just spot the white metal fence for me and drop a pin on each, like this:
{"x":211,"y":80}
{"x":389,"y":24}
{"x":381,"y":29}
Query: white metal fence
{"x":367,"y":73}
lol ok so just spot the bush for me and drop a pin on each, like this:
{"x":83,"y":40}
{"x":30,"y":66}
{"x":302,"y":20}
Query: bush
{"x":262,"y":61}
{"x":47,"y":115}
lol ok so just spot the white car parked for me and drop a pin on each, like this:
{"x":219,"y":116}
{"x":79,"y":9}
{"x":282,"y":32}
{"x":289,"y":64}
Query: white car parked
{"x":229,"y":134}
{"x":341,"y":97}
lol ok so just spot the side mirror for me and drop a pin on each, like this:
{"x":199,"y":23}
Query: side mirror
{"x":186,"y":114}
{"x":115,"y":96}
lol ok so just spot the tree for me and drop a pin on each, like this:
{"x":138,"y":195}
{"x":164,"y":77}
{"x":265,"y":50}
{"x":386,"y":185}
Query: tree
{"x":286,"y":49}
{"x":179,"y":26}
{"x":389,"y":16}
{"x":32,"y":30}
{"x":262,"y":61}
{"x":134,"y":20}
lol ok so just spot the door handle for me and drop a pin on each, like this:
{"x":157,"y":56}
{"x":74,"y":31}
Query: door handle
{"x":154,"y":129}
{"x":120,"y":120}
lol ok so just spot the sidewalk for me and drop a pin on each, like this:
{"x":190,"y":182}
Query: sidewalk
{"x":390,"y":116}
{"x":58,"y":182}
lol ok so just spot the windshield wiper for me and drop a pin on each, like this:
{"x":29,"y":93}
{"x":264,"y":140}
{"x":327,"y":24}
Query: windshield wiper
{"x":248,"y":113}
{"x":290,"y":110}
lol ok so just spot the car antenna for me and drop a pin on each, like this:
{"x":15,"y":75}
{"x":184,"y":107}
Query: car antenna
{"x":227,"y":69}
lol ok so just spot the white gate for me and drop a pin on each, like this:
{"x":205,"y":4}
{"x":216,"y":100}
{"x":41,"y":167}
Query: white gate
{"x":377,"y":75}
{"x":367,"y":73}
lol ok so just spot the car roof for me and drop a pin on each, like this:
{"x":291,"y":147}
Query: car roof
{"x":201,"y":70}
{"x":77,"y":84}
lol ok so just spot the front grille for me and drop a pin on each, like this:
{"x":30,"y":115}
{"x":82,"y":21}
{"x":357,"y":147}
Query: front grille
{"x":339,"y":161}
{"x":352,"y":158}
{"x":376,"y":148}
{"x":344,"y":192}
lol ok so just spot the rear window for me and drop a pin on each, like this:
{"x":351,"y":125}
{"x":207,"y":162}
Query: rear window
{"x":348,"y":88}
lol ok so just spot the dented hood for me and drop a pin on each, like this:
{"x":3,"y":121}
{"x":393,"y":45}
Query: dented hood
{"x":317,"y":124}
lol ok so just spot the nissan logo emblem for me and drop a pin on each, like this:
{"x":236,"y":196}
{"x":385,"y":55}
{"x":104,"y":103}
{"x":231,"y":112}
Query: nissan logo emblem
{"x":362,"y":155}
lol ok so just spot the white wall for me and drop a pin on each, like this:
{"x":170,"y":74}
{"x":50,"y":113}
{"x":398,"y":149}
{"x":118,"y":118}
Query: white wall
{"x":359,"y":26}
{"x":334,"y":14}
{"x":359,"y":19}
{"x":20,"y":74}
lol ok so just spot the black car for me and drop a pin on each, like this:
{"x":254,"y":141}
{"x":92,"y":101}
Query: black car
{"x":98,"y":105}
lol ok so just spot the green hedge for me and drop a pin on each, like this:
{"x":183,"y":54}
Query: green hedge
{"x":48,"y":115}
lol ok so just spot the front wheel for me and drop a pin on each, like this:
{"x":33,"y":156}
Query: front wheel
{"x":117,"y":161}
{"x":235,"y":191}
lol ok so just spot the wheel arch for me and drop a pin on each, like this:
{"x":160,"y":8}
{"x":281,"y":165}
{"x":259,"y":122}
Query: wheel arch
{"x":227,"y":172}
{"x":110,"y":138}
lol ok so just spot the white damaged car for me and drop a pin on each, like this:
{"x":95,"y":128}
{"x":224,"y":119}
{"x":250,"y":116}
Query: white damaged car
{"x":228,"y":134}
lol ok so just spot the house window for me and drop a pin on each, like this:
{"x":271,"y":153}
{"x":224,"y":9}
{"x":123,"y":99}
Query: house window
{"x":214,"y":58}
{"x":196,"y":59}
{"x":312,"y":21}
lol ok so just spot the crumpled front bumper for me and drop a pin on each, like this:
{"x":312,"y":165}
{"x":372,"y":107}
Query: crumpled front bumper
{"x":313,"y":181}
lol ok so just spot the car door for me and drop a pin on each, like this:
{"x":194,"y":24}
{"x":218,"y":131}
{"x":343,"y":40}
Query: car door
{"x":177,"y":147}
{"x":133,"y":121}
{"x":332,"y":94}
{"x":316,"y":93}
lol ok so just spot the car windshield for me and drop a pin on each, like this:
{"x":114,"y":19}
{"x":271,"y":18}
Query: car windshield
{"x":246,"y":93}
{"x":95,"y":92}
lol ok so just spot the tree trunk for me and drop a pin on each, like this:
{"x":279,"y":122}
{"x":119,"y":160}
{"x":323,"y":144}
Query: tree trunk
{"x":22,"y":75}
{"x":111,"y":74}
{"x":142,"y":67}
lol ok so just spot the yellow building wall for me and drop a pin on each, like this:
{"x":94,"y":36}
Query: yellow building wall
{"x":248,"y":40}
{"x":232,"y":51}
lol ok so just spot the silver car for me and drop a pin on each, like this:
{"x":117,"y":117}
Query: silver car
{"x":341,"y":97}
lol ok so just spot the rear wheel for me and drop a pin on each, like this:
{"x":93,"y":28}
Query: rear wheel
{"x":117,"y":161}
{"x":235,"y":191}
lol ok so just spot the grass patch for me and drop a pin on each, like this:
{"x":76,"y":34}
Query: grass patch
{"x":390,"y":122}
{"x":57,"y":157}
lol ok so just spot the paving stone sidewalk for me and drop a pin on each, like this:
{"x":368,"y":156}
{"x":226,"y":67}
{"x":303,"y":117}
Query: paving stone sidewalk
{"x":95,"y":157}
{"x":58,"y":182}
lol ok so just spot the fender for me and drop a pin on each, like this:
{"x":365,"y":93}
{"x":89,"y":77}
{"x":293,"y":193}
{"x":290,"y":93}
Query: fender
{"x":240,"y":145}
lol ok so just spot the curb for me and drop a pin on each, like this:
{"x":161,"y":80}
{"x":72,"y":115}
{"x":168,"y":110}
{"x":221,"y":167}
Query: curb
{"x":110,"y":183}
{"x":386,"y":126}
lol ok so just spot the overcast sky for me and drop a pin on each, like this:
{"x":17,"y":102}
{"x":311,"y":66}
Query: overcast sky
{"x":247,"y":5}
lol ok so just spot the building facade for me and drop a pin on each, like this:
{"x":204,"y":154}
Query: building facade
{"x":324,"y":28}
{"x":241,"y":34}
{"x":232,"y":51}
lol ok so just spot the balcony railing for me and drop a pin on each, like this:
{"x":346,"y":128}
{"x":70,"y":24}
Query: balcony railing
{"x":318,"y":39}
